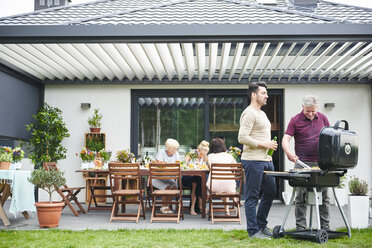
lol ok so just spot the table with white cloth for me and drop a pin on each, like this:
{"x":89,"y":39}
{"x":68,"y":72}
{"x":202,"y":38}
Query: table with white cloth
{"x":14,"y":183}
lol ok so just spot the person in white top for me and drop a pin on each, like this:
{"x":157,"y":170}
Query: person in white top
{"x":169,"y":155}
{"x":219,"y":155}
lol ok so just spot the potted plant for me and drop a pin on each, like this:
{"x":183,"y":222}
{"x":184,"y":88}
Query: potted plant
{"x":48,"y":213}
{"x":358,"y":203}
{"x":87,"y":156}
{"x":106,"y":156}
{"x":47,"y":132}
{"x":95,"y":121}
{"x":6,"y":157}
{"x":125,"y":156}
{"x":18,"y":155}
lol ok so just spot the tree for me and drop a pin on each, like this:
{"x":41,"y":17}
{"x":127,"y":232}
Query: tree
{"x":47,"y":132}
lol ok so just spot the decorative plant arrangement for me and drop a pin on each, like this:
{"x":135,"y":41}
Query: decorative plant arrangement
{"x":18,"y":155}
{"x":87,"y":155}
{"x":47,"y":132}
{"x":125,"y":156}
{"x":95,"y":144}
{"x":95,"y":121}
{"x":358,"y":203}
{"x":106,"y":155}
{"x":235,"y":152}
{"x":193,"y":154}
{"x":6,"y":157}
{"x":48,"y":213}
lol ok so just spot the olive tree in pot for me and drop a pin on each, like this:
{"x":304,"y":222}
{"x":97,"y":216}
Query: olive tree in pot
{"x":48,"y":213}
{"x":358,"y":203}
{"x":47,"y":132}
{"x":95,"y":121}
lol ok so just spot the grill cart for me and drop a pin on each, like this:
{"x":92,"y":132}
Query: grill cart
{"x":338,"y":151}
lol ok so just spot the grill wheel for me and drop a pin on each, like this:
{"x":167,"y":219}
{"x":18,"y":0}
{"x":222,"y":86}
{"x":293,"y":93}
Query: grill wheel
{"x":321,"y":236}
{"x":277,"y":233}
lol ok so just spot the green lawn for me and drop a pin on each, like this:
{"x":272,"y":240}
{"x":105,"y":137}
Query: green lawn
{"x":165,"y":238}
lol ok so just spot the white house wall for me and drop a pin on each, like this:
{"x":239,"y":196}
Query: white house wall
{"x":352,"y":103}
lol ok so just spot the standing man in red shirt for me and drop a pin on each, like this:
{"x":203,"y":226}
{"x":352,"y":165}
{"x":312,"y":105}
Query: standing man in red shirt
{"x":305,"y":127}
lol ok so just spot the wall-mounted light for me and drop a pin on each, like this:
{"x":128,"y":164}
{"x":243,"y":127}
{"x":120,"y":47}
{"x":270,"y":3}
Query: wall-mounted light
{"x":85,"y":105}
{"x":329,"y":105}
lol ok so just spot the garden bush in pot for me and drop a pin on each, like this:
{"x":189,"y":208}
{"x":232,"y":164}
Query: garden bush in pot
{"x":48,"y":213}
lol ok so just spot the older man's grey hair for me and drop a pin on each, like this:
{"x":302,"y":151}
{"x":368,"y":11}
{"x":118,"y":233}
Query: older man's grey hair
{"x":310,"y":100}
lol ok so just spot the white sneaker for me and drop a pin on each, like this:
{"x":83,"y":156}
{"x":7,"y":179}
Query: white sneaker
{"x":259,"y":235}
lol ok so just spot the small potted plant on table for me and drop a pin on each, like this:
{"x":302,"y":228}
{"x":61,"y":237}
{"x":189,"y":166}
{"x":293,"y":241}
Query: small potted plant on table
{"x":95,"y":121}
{"x":6,"y":157}
{"x":358,"y":203}
{"x":48,"y":213}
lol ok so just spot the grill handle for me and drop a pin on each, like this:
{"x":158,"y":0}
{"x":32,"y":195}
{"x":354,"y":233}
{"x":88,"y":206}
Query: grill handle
{"x":338,"y":123}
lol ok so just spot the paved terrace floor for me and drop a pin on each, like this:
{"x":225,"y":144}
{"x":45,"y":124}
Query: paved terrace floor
{"x":98,"y":219}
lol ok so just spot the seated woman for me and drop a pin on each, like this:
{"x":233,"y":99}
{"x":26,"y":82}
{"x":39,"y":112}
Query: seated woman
{"x":218,"y":154}
{"x":194,"y":182}
{"x":169,"y":155}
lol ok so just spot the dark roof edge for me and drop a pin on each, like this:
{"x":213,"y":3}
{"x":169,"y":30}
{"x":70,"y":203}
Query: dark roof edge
{"x":185,"y":33}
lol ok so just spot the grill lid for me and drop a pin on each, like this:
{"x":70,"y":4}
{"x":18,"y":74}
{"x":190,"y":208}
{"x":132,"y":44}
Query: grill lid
{"x":338,"y":148}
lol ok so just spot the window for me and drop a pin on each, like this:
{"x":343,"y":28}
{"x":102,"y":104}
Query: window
{"x":160,"y":118}
{"x":41,"y":2}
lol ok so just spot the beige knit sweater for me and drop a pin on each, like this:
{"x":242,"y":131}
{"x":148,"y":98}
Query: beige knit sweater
{"x":254,"y":127}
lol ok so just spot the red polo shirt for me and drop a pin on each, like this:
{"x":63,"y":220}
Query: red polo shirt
{"x":306,"y":135}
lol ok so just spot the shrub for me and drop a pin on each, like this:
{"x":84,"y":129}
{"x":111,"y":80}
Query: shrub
{"x":358,"y":187}
{"x":48,"y":180}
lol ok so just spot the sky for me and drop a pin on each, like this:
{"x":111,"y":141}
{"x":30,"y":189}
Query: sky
{"x":14,"y":7}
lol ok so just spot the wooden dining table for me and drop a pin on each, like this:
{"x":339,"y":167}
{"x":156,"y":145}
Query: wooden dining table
{"x":146,"y":172}
{"x":14,"y":183}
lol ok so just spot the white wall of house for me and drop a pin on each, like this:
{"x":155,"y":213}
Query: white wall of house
{"x":352,"y":103}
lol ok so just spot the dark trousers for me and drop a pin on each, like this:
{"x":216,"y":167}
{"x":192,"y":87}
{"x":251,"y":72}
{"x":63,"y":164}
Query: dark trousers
{"x":255,"y":183}
{"x":301,"y":206}
{"x":187,"y":182}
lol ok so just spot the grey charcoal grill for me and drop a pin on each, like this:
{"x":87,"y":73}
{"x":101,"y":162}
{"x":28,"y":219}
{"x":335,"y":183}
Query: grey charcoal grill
{"x":338,"y":152}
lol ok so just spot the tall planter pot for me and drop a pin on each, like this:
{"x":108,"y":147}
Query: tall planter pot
{"x":358,"y":211}
{"x":48,"y":213}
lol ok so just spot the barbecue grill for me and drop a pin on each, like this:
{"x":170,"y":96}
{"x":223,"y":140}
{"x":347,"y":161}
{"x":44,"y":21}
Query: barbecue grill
{"x":338,"y":151}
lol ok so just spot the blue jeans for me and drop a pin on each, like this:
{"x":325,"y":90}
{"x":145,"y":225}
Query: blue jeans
{"x":254,"y":184}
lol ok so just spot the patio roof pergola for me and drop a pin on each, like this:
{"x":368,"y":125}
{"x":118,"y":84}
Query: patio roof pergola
{"x":157,"y":42}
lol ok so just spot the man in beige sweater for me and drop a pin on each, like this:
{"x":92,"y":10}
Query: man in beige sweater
{"x":255,"y":135}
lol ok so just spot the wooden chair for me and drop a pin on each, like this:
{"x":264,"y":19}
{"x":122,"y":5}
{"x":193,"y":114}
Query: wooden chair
{"x":68,"y":194}
{"x":119,"y":173}
{"x":166,"y":171}
{"x":218,"y":172}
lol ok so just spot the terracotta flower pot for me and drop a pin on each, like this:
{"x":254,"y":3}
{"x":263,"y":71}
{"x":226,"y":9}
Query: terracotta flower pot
{"x":95,"y":129}
{"x":49,"y":214}
{"x":4,"y":165}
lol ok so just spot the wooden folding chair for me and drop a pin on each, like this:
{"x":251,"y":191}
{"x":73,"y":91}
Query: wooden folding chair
{"x":67,"y":193}
{"x":225,"y":172}
{"x":119,"y":172}
{"x":166,"y":171}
